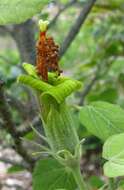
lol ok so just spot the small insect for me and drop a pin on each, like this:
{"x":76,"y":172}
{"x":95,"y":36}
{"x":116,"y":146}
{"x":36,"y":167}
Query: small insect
{"x":47,"y":55}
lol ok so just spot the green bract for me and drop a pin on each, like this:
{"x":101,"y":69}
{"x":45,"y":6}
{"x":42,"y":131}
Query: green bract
{"x":60,"y":131}
{"x":58,"y":123}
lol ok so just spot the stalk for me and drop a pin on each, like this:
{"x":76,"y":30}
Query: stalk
{"x":111,"y":184}
{"x":52,"y":91}
{"x":79,"y":178}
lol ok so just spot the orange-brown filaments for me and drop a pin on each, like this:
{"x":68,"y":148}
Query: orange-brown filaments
{"x":47,"y":56}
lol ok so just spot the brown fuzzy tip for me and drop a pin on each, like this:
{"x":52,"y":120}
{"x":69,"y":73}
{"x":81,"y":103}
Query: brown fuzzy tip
{"x":47,"y":56}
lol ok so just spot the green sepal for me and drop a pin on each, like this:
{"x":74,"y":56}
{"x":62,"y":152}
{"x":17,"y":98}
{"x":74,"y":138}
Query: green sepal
{"x":60,"y":128}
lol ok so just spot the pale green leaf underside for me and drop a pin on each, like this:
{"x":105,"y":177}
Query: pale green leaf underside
{"x":102,"y":119}
{"x":114,"y":147}
{"x":50,"y":175}
{"x":113,"y":170}
{"x":113,"y":151}
{"x":17,"y":11}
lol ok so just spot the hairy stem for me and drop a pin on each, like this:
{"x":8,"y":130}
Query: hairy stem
{"x":79,"y":178}
{"x":112,"y":184}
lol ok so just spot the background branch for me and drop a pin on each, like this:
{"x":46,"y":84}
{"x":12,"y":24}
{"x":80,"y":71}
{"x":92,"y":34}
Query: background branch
{"x":88,"y":88}
{"x":23,"y":34}
{"x":11,"y":128}
{"x":102,"y":68}
{"x":13,"y":162}
{"x":25,"y":128}
{"x":76,"y":26}
{"x":18,"y":105}
{"x":61,"y":10}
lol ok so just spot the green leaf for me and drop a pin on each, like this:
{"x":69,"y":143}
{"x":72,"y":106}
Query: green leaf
{"x":30,"y":135}
{"x":109,"y":95}
{"x":117,"y":4}
{"x":17,"y":11}
{"x":102,"y":119}
{"x":113,"y":151}
{"x":113,"y":146}
{"x":50,"y":175}
{"x":95,"y":182}
{"x":113,"y":170}
{"x":117,"y":67}
{"x":15,"y":168}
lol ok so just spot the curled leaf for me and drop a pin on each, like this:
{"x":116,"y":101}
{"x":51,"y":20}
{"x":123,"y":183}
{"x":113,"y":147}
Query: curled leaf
{"x":30,"y":69}
{"x":36,"y":84}
{"x":61,"y":91}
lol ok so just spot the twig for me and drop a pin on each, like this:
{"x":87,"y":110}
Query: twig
{"x":13,"y":162}
{"x":24,"y":129}
{"x":61,"y":10}
{"x":87,"y":89}
{"x":18,"y":105}
{"x":23,"y":34}
{"x":76,"y":26}
{"x":97,"y":76}
{"x":11,"y":128}
{"x":5,"y":30}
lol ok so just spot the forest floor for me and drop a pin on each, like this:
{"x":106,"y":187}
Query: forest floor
{"x":13,"y":180}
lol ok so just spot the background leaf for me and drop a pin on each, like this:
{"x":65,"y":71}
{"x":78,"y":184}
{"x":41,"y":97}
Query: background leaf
{"x":17,"y":11}
{"x":15,"y":168}
{"x":95,"y":182}
{"x":50,"y":175}
{"x":113,"y":170}
{"x":102,"y":119}
{"x":113,"y":151}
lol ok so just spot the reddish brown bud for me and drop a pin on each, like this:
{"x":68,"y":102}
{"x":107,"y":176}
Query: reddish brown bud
{"x":47,"y":56}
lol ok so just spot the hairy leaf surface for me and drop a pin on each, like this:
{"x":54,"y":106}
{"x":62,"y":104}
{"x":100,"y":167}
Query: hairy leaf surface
{"x":102,"y":119}
{"x":50,"y":175}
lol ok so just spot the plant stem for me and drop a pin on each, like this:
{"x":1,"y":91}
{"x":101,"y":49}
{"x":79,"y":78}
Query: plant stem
{"x":111,"y":184}
{"x":79,"y":178}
